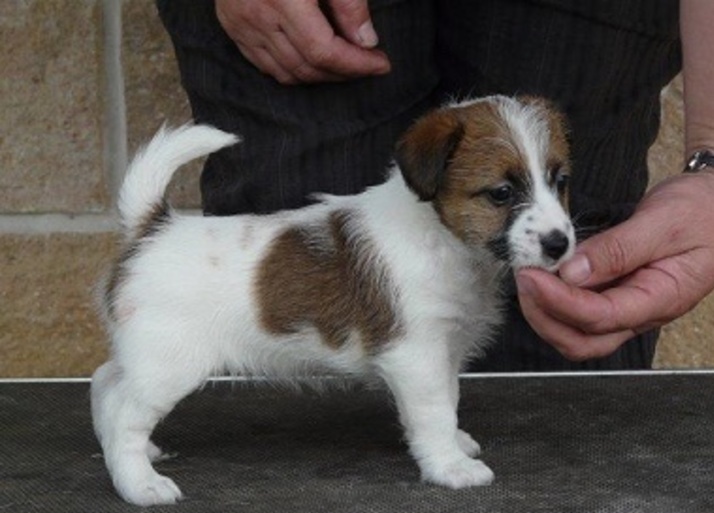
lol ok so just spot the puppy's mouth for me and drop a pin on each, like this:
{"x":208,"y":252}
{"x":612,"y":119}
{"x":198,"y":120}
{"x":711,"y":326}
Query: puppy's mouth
{"x":535,"y":256}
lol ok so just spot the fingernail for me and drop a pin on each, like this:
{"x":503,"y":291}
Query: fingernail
{"x":367,"y":35}
{"x":577,"y":270}
{"x":525,"y":284}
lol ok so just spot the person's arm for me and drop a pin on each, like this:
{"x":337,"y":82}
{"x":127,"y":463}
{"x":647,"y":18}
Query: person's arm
{"x":655,"y":266}
{"x":697,"y":32}
{"x":294,"y":42}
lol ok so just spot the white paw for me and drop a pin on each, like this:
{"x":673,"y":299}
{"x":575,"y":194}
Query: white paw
{"x":148,"y":490}
{"x":467,"y":444}
{"x":461,"y":473}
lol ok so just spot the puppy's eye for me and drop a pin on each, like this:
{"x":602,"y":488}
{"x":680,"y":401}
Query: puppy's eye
{"x":501,"y":195}
{"x":561,"y":180}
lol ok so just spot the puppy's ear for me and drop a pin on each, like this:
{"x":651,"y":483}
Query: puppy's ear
{"x":424,"y":151}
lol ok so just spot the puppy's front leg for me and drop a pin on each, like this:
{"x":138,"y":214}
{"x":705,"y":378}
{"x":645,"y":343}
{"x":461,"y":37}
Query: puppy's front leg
{"x":466,"y":442}
{"x":422,"y":380}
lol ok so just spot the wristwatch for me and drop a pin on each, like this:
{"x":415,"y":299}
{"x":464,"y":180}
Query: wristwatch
{"x":699,"y":160}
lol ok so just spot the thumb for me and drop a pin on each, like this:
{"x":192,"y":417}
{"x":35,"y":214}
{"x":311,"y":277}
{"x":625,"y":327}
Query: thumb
{"x":354,"y":22}
{"x":611,"y":254}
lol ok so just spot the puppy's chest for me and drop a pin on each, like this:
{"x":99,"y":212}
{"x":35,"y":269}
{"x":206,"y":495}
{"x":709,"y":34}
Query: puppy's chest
{"x":470,"y":291}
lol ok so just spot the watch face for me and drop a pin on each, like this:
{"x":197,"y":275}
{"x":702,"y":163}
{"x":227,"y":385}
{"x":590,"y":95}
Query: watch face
{"x":693,"y":161}
{"x":699,"y":160}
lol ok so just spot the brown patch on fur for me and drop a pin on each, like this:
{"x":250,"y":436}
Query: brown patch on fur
{"x":117,"y":274}
{"x":327,"y":280}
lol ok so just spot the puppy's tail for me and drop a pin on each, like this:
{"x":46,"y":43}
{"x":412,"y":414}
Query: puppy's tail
{"x":141,"y":197}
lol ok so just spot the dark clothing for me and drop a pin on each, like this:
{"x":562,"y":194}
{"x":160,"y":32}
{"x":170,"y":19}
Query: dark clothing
{"x":603,"y":62}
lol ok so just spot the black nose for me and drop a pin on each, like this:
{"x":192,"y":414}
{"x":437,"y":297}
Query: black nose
{"x":554,"y":244}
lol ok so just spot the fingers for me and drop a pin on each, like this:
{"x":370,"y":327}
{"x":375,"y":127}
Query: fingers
{"x":293,"y":41}
{"x":315,"y":40}
{"x":666,"y":223}
{"x":611,"y":254}
{"x":354,"y":22}
{"x":569,"y":341}
{"x":583,"y":324}
{"x":283,"y":62}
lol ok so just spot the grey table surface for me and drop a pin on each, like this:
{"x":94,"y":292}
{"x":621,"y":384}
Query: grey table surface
{"x":557,"y":443}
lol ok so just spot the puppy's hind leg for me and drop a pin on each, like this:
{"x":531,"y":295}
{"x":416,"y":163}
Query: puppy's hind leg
{"x":127,"y":403}
{"x":420,"y":377}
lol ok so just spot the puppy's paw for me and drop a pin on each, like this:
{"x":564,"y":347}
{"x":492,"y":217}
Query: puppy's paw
{"x":467,"y":444}
{"x":460,"y":473}
{"x":149,"y":490}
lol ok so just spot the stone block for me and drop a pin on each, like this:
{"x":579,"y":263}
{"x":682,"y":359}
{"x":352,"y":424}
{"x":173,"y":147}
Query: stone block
{"x":686,"y":342}
{"x":666,"y":157}
{"x":153,"y":90}
{"x":50,"y":97}
{"x":49,"y":325}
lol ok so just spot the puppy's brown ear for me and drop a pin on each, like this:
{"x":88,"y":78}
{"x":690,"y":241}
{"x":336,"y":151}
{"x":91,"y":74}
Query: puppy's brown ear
{"x":424,"y":151}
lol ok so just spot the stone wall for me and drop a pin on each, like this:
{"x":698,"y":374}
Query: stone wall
{"x":84,"y":82}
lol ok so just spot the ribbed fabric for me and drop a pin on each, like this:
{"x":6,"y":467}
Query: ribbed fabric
{"x":603,"y":62}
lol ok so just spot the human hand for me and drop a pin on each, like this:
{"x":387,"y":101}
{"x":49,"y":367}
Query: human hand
{"x":641,"y":274}
{"x":294,"y":42}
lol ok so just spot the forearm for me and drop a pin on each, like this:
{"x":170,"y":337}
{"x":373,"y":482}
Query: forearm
{"x":697,"y":30}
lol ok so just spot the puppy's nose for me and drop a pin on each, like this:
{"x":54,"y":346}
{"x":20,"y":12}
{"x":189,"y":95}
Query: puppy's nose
{"x":554,"y":244}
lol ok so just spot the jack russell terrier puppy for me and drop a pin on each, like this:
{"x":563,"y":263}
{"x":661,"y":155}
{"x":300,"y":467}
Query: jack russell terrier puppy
{"x":399,"y":282}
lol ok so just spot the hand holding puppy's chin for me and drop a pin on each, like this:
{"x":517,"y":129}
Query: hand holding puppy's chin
{"x":636,"y":276}
{"x":581,"y":322}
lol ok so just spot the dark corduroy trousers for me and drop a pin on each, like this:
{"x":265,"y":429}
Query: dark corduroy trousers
{"x":603,"y":62}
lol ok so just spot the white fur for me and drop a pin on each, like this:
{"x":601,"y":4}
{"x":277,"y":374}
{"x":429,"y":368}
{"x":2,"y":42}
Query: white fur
{"x":187,"y":310}
{"x":544,"y":214}
{"x":150,"y":172}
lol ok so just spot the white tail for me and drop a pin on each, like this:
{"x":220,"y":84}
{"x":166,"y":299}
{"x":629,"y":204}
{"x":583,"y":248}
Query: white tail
{"x":152,"y":168}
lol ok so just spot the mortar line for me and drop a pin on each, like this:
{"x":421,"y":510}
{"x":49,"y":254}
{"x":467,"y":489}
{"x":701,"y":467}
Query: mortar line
{"x":48,"y":224}
{"x":115,"y":124}
{"x":58,"y":222}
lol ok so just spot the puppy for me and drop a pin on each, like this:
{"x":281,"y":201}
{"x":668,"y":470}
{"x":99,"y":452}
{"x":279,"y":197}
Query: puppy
{"x":398,"y":282}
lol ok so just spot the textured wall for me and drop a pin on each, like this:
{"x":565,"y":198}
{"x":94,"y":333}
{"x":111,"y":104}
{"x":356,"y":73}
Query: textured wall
{"x":85,"y":82}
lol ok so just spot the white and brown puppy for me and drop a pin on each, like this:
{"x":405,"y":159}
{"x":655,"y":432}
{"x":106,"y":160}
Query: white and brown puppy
{"x":399,"y":282}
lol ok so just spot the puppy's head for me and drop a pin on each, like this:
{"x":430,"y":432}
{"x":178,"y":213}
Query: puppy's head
{"x":496,"y":170}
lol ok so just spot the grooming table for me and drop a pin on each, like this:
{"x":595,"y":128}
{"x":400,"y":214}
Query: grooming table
{"x":566,"y":443}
